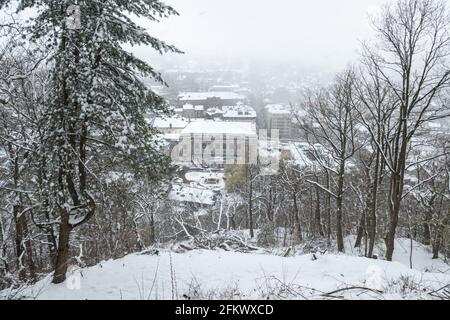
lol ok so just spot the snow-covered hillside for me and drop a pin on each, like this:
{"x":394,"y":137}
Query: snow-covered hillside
{"x":420,"y":258}
{"x":203,"y":274}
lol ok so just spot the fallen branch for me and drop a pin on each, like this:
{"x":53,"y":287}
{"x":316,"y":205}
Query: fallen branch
{"x":330,"y":294}
{"x":441,"y":293}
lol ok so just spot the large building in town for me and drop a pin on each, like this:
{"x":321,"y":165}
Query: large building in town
{"x":279,"y":117}
{"x":210,"y":99}
{"x":216,"y":143}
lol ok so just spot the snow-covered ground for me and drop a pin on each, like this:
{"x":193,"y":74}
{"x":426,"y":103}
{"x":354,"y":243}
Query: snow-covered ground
{"x":421,"y":255}
{"x":203,"y":274}
{"x":211,"y":180}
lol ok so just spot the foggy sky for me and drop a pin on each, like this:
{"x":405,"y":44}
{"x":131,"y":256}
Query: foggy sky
{"x":319,"y":32}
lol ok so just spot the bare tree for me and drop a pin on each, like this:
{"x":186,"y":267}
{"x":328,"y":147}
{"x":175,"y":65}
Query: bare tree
{"x":375,"y":109}
{"x":411,"y":59}
{"x":431,"y":193}
{"x":331,"y":122}
{"x":22,"y":88}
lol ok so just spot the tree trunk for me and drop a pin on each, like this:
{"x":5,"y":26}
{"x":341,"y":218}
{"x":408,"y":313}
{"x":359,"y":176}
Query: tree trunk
{"x":318,"y":223}
{"x":361,"y":229}
{"x":394,"y":210}
{"x":139,"y":242}
{"x":339,"y":201}
{"x":250,"y":205}
{"x":372,"y":217}
{"x":62,"y":258}
{"x":19,"y":241}
{"x":328,"y":205}
{"x":269,"y":205}
{"x":436,"y":245}
{"x":397,"y":180}
{"x":426,"y":228}
{"x":28,"y":247}
{"x":152,"y":228}
{"x":297,"y":225}
{"x":362,"y":226}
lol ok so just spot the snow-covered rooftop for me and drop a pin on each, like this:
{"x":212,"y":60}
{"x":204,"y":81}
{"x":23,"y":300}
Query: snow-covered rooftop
{"x":195,"y":96}
{"x":171,"y":137}
{"x":301,"y":154}
{"x":220,"y":127}
{"x":278,"y":109}
{"x":228,"y":88}
{"x":173,"y":122}
{"x":185,"y":193}
{"x":213,"y":111}
{"x":239,"y":111}
{"x":209,"y":180}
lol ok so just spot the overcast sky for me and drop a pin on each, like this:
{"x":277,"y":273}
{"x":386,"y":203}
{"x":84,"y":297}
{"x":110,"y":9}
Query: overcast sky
{"x":319,"y":32}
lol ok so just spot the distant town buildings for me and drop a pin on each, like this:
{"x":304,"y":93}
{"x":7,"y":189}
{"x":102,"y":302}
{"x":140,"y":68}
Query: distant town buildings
{"x":215,"y":128}
{"x":279,"y":117}
{"x":171,"y":125}
{"x":190,"y":111}
{"x":225,"y":88}
{"x":210,"y":99}
{"x":239,"y":113}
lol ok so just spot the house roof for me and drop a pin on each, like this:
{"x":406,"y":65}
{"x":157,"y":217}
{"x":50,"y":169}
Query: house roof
{"x":239,"y":111}
{"x":220,"y":127}
{"x":278,"y":109}
{"x":185,"y":193}
{"x":173,"y":122}
{"x":196,"y":96}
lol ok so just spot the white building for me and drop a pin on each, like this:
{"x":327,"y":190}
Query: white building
{"x":216,"y":143}
{"x":210,"y":99}
{"x":279,"y":117}
{"x":170,"y":125}
{"x":238,"y":113}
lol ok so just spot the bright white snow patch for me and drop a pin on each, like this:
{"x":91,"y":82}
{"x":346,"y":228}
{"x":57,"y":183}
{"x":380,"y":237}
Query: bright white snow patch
{"x":421,"y":254}
{"x":229,"y":275}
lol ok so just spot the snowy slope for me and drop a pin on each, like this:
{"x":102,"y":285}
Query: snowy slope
{"x":421,"y":254}
{"x":227,"y":275}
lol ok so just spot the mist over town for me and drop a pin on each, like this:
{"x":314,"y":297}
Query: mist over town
{"x":231,"y":150}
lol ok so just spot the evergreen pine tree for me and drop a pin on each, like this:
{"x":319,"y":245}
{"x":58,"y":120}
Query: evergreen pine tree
{"x":97,"y":102}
